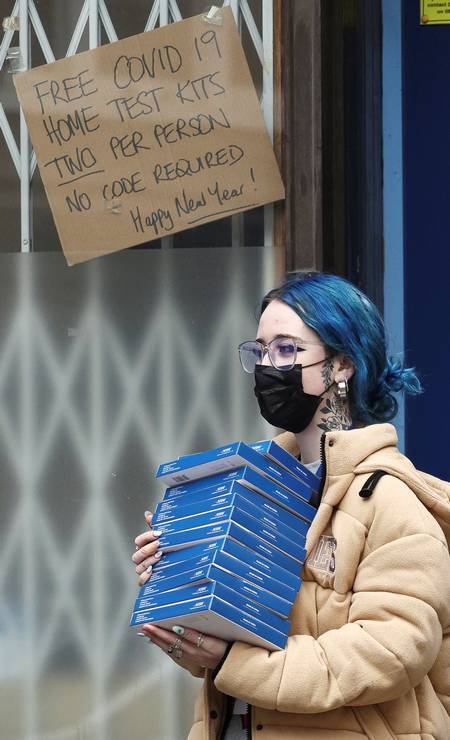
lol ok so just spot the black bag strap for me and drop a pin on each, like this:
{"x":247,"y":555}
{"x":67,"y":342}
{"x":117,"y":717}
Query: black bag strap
{"x":369,"y":486}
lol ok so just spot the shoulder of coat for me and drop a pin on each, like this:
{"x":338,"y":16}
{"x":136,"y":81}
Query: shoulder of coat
{"x":393,"y":504}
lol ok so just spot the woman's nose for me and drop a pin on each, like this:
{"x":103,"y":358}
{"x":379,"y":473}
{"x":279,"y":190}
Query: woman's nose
{"x":265,"y":360}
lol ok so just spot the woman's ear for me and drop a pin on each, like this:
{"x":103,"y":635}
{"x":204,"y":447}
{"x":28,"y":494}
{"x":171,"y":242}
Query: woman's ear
{"x":343,"y":369}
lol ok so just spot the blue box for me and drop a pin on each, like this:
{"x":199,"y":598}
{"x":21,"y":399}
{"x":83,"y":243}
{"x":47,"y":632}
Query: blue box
{"x":250,"y":501}
{"x":217,"y":613}
{"x":192,"y":486}
{"x":212,"y":572}
{"x":220,"y":459}
{"x":273,"y":451}
{"x":238,"y":559}
{"x":195,"y":525}
{"x":278,"y":501}
{"x":175,"y":559}
{"x":250,"y":478}
{"x":194,"y":591}
{"x":238,"y":532}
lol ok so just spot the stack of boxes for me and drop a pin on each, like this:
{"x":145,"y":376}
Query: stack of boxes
{"x":234,"y":521}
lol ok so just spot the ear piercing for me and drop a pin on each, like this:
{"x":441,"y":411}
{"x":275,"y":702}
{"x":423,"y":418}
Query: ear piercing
{"x":342,"y":389}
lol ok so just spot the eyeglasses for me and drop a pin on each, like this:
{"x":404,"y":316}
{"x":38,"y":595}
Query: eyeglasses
{"x":282,"y":352}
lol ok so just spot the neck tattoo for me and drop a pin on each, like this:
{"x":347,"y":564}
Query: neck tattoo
{"x":327,"y":369}
{"x":335,"y":415}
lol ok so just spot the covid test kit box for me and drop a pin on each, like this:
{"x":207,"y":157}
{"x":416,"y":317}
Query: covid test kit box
{"x":243,"y":528}
{"x":283,"y":503}
{"x":274,"y":452}
{"x":164,"y":598}
{"x":218,"y":610}
{"x":246,"y":515}
{"x":220,"y":459}
{"x":233,"y":522}
{"x":233,"y":556}
{"x":213,"y":572}
{"x":189,"y":510}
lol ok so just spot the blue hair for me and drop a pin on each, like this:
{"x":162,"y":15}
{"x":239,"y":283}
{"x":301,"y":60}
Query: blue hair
{"x":350,"y":324}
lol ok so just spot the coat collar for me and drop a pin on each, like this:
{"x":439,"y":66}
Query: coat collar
{"x":343,"y":453}
{"x":360,"y":452}
{"x":346,"y":450}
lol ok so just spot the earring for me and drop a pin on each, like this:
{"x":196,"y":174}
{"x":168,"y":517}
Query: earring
{"x":342,"y":390}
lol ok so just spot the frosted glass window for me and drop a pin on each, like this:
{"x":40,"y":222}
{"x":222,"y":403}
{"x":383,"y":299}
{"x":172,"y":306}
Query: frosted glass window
{"x":106,"y":369}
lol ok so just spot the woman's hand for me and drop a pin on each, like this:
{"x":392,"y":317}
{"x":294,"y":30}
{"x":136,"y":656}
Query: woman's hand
{"x":187,"y":645}
{"x":184,"y":646}
{"x":147,"y":552}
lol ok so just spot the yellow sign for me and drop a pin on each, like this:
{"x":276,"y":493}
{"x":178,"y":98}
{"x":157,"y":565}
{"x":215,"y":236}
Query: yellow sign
{"x":434,"y":12}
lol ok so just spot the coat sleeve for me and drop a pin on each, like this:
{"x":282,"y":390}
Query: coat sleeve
{"x":399,"y":607}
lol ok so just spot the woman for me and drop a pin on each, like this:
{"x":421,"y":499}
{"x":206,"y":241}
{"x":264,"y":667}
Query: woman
{"x":369,"y":650}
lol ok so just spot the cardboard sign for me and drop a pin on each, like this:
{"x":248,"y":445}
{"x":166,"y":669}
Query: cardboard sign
{"x":149,"y":136}
{"x":434,"y":12}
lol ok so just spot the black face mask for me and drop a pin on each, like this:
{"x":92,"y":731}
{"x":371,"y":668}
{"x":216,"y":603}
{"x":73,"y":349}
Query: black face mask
{"x":282,"y":400}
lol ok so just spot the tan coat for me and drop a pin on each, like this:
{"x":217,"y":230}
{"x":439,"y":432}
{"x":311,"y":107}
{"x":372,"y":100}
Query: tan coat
{"x":369,"y":650}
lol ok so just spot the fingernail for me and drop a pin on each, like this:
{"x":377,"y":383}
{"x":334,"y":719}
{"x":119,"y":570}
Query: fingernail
{"x":158,"y":554}
{"x":156,"y":533}
{"x":149,"y":569}
{"x":141,"y":634}
{"x":178,"y":630}
{"x":136,"y":548}
{"x":148,"y":514}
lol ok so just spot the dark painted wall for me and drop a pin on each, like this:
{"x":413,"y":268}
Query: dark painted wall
{"x":426,"y":72}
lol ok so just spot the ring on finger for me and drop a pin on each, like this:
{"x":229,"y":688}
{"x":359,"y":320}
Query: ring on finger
{"x":178,"y":652}
{"x":176,"y":648}
{"x":200,"y":639}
